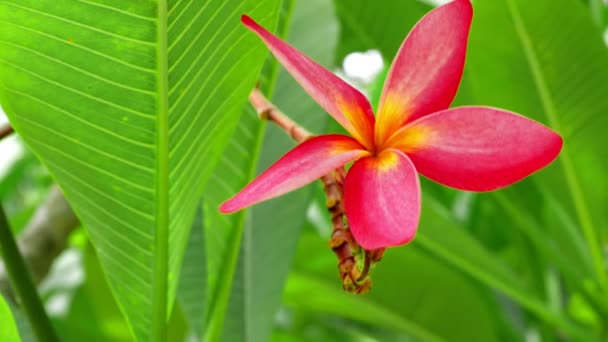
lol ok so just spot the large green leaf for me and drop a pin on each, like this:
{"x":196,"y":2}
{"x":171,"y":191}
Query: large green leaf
{"x":129,"y":105}
{"x":8,"y":327}
{"x":548,"y":62}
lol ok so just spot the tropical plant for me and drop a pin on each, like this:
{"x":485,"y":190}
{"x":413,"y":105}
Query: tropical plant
{"x":140,"y":112}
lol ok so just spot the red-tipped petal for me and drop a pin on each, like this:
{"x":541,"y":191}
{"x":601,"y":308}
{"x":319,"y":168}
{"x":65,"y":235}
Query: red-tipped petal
{"x":346,"y":104}
{"x":477,"y":148}
{"x":382,"y":200}
{"x":427,"y":70}
{"x":306,"y":162}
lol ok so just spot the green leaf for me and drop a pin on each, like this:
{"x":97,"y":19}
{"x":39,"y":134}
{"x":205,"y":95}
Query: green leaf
{"x":308,"y":293}
{"x":192,"y":288}
{"x":223,"y":233}
{"x":8,"y":327}
{"x":378,"y":25}
{"x":548,"y":62}
{"x":446,"y":241}
{"x":129,"y":105}
{"x":442,"y":237}
{"x":270,"y":229}
{"x":412,"y":293}
{"x":508,"y":83}
{"x":309,"y":327}
{"x":520,"y":210}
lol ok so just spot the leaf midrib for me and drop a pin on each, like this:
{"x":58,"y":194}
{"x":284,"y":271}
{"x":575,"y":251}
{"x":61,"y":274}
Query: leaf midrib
{"x":161,"y":236}
{"x":574,"y":186}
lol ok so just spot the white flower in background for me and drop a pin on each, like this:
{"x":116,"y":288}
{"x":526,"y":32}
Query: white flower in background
{"x":363,"y":66}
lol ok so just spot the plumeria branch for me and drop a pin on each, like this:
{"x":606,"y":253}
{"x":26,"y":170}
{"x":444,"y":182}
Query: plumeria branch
{"x":354,"y":263}
{"x":5,"y":131}
{"x":267,"y":111}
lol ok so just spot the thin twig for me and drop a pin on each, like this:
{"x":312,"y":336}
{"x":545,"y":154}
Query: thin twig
{"x":5,"y":131}
{"x":267,"y":111}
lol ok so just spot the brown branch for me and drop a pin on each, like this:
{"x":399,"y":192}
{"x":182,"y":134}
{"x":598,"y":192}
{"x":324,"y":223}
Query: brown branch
{"x":267,"y":111}
{"x":43,"y":239}
{"x":348,"y":251}
{"x":5,"y":131}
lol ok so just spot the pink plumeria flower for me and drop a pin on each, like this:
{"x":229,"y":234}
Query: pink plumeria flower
{"x":469,"y":148}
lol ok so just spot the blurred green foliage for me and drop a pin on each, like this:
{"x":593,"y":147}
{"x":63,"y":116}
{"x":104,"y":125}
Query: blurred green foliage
{"x":524,"y":263}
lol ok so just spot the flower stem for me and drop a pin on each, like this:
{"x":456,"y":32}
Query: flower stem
{"x":22,"y":283}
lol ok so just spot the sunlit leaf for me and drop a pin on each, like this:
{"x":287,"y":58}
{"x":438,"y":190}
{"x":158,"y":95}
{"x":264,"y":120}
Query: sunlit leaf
{"x":8,"y":327}
{"x":129,"y":105}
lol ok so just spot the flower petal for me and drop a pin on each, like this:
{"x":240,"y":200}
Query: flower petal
{"x":346,"y":104}
{"x":477,"y":148}
{"x":382,"y":200}
{"x":306,"y":162}
{"x":427,"y":70}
